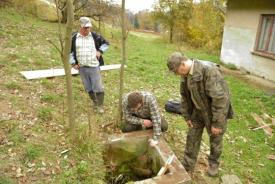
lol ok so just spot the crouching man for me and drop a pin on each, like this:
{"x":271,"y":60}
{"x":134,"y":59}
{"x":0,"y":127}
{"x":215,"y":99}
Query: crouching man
{"x":206,"y":103}
{"x":140,"y":112}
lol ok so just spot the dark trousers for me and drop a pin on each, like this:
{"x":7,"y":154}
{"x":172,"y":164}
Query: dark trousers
{"x":128,"y":127}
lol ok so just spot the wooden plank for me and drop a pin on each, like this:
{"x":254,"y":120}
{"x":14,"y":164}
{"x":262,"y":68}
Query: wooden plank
{"x":53,"y":72}
{"x":271,"y":157}
{"x":273,"y":121}
{"x":261,"y":127}
{"x":260,"y":121}
{"x":266,"y":116}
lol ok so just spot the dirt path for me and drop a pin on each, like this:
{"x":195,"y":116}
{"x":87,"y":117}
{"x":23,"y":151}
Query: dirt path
{"x":255,"y":81}
{"x":146,"y":35}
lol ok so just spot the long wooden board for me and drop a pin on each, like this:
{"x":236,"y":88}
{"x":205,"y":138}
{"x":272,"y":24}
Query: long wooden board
{"x":54,"y":72}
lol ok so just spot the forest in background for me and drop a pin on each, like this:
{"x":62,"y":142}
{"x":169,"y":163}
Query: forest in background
{"x":184,"y":22}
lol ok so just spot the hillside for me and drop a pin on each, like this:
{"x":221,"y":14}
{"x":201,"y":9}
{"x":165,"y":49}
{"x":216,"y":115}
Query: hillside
{"x":33,"y":143}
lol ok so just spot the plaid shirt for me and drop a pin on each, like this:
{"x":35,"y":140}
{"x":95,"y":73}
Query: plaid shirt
{"x":148,"y":110}
{"x":86,"y":51}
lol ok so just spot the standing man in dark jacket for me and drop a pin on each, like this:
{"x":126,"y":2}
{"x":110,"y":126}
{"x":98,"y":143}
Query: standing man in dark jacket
{"x":206,"y":103}
{"x":86,"y":56}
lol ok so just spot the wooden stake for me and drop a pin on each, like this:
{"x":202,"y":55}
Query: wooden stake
{"x":164,"y":168}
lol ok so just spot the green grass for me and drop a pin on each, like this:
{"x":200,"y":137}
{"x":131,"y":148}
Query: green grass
{"x":12,"y":85}
{"x":50,"y":98}
{"x":45,"y":113}
{"x":230,"y":66}
{"x":5,"y":180}
{"x":32,"y":152}
{"x":43,"y":102}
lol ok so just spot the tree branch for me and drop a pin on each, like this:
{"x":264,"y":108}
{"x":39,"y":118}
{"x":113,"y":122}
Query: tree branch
{"x":55,"y":46}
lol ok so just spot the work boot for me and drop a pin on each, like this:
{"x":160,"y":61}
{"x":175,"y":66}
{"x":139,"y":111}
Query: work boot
{"x":213,"y":170}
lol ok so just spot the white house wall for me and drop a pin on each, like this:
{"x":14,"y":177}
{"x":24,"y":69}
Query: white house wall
{"x":240,"y":32}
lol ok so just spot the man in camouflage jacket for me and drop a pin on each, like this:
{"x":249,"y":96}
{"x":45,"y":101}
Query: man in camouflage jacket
{"x":206,"y":103}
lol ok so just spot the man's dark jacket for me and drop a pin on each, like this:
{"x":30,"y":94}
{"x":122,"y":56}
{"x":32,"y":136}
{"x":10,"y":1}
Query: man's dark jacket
{"x":208,"y":93}
{"x":99,"y":41}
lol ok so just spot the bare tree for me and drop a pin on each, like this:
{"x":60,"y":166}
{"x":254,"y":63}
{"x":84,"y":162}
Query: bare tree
{"x":123,"y":61}
{"x":64,"y":50}
{"x":98,"y":10}
{"x":170,"y":12}
{"x":78,"y":5}
{"x":67,"y":67}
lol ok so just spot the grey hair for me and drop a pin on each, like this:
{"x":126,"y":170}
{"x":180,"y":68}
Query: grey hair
{"x":175,"y":60}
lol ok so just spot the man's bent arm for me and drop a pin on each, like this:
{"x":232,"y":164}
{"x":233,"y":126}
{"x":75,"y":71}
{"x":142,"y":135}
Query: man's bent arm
{"x":156,"y":118}
{"x":130,"y":118}
{"x":217,"y":90}
{"x":185,"y":106}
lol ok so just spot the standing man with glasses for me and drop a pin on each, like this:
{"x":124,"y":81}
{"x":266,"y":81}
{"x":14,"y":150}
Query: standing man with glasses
{"x":206,"y":103}
{"x":86,"y":56}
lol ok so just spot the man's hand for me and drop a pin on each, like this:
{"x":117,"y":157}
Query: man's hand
{"x":147,"y":123}
{"x":189,"y":123}
{"x":98,"y":54}
{"x":216,"y":131}
{"x":76,"y":67}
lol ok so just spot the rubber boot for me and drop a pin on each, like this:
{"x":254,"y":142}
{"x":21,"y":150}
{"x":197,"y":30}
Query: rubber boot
{"x":213,"y":170}
{"x":93,"y":98}
{"x":100,"y":101}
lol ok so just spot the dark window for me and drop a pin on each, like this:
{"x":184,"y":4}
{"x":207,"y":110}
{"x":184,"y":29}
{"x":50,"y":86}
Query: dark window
{"x":265,"y":43}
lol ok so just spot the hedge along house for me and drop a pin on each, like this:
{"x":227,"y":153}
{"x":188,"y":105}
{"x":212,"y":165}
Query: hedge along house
{"x":249,"y":36}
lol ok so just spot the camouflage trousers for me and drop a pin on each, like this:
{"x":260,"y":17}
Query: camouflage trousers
{"x":193,"y":142}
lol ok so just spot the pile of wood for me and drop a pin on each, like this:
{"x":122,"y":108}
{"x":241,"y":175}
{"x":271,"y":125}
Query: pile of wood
{"x":261,"y":120}
{"x":265,"y":123}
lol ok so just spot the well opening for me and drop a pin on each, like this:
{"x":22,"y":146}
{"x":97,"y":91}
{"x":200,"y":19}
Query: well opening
{"x":129,"y":158}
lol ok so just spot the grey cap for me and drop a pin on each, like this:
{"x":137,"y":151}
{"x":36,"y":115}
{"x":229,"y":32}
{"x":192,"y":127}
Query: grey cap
{"x":85,"y":22}
{"x":175,"y":60}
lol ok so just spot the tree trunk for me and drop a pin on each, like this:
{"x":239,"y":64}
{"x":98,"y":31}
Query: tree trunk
{"x":171,"y":34}
{"x":123,"y":61}
{"x":67,"y":66}
{"x":99,"y":24}
{"x":63,"y":10}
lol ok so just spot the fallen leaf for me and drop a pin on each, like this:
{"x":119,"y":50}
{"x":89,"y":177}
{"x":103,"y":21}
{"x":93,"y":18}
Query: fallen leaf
{"x":30,"y":165}
{"x":19,"y":172}
{"x":47,"y":172}
{"x":262,"y":165}
{"x":43,"y":163}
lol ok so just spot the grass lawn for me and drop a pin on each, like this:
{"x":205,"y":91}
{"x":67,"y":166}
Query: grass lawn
{"x":33,"y":138}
